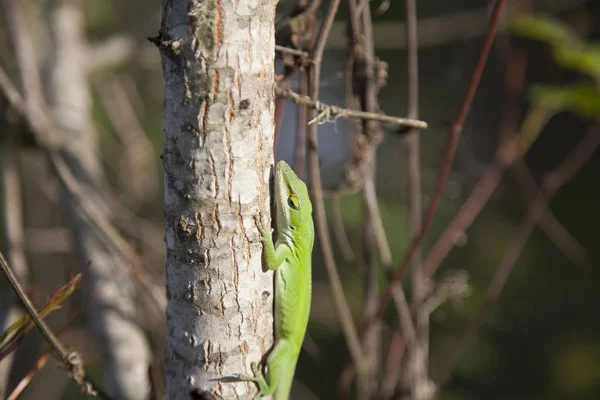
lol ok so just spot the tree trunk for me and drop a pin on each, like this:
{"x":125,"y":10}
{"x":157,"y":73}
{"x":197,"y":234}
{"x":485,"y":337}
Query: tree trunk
{"x":217,"y":60}
{"x":109,"y":282}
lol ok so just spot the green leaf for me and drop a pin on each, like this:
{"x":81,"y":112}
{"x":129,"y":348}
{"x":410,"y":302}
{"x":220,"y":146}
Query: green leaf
{"x":545,"y":29}
{"x":583,"y":99}
{"x":585,"y":59}
{"x":568,"y":50}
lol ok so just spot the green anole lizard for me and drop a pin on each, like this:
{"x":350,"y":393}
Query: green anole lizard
{"x":290,"y":257}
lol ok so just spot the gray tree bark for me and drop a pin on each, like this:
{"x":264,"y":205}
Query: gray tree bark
{"x":108,"y":278}
{"x":217,"y":60}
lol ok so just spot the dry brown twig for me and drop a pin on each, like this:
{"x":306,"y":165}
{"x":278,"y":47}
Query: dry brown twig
{"x":299,"y":53}
{"x":418,"y":382}
{"x":137,"y":172}
{"x":14,"y":232}
{"x":371,"y":132}
{"x":83,"y":202}
{"x":349,"y":329}
{"x":548,"y":223}
{"x":453,"y":139}
{"x":362,"y":90}
{"x":508,"y":156}
{"x":326,"y":112}
{"x":551,"y":182}
{"x":44,"y":131}
{"x":71,"y":360}
{"x":339,"y":231}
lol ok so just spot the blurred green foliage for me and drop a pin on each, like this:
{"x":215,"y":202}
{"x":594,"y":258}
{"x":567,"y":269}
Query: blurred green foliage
{"x":570,"y":52}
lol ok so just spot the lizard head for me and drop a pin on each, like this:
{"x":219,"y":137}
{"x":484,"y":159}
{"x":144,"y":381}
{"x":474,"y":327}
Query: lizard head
{"x":294,"y":208}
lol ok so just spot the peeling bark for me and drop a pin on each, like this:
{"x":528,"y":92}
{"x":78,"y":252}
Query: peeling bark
{"x":217,"y":58}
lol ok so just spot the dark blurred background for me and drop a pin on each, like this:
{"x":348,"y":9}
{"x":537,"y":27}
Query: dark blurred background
{"x":541,"y":340}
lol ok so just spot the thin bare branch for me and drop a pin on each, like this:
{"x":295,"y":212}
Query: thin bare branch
{"x":372,"y":129}
{"x":381,"y":240}
{"x":41,"y":363}
{"x":453,"y":139}
{"x":549,"y":224}
{"x":404,"y":336}
{"x":480,"y":195}
{"x":11,"y":91}
{"x":301,"y":125}
{"x":13,"y":213}
{"x":553,"y":181}
{"x":111,"y":52}
{"x":71,"y":360}
{"x":509,"y":151}
{"x":418,"y":348}
{"x":123,"y":46}
{"x":294,"y":52}
{"x":339,"y":231}
{"x":33,"y":103}
{"x":327,"y":111}
{"x":443,"y":29}
{"x":349,"y":329}
{"x":14,"y":232}
{"x":137,"y":174}
{"x":103,"y":227}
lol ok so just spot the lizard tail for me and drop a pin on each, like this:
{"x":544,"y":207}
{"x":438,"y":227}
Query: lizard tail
{"x":284,"y":386}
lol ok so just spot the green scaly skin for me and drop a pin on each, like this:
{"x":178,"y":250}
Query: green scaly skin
{"x":290,"y":258}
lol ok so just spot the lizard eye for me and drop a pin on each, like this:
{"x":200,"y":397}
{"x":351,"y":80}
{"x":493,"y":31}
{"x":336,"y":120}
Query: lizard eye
{"x":294,"y":202}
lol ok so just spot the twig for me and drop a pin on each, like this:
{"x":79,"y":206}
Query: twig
{"x":372,"y":205}
{"x":548,"y":223}
{"x":14,"y":228}
{"x":71,"y":360}
{"x":41,"y":363}
{"x":63,"y":155}
{"x":28,"y":66}
{"x":514,"y":82}
{"x":404,"y":336}
{"x":453,"y":139}
{"x":553,"y":181}
{"x":372,"y":129}
{"x":301,"y":124}
{"x":13,"y":213}
{"x":339,"y":231}
{"x":121,"y":47}
{"x":44,"y":131}
{"x":508,"y":152}
{"x":348,"y":326}
{"x":137,"y":169}
{"x":482,"y":192}
{"x":302,"y":54}
{"x":418,"y":350}
{"x":11,"y":92}
{"x":278,"y":118}
{"x":490,"y":179}
{"x":326,"y":111}
{"x":374,"y":231}
{"x":103,"y":227}
{"x":369,"y":270}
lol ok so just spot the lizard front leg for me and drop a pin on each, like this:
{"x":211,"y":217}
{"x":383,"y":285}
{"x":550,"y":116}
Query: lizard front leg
{"x":275,"y":255}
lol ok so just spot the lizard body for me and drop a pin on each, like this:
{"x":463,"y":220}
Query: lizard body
{"x":290,"y":258}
